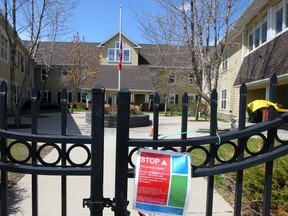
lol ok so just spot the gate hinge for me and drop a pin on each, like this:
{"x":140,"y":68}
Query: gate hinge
{"x":106,"y":202}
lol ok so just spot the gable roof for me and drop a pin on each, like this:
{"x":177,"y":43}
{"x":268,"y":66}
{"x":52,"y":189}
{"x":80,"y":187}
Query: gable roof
{"x":123,"y":34}
{"x":264,"y":61}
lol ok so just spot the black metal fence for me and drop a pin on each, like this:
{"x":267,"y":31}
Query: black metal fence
{"x":213,"y":164}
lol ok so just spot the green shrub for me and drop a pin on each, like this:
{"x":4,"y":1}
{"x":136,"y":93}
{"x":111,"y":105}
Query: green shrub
{"x":254,"y":186}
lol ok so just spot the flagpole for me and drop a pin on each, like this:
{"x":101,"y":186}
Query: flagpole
{"x":120,"y":50}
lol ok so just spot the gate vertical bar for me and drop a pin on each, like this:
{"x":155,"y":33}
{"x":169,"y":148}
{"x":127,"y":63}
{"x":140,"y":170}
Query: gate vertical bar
{"x":212,"y":149}
{"x":4,"y":176}
{"x":270,"y":138}
{"x":156,"y":117}
{"x":64,"y":148}
{"x":241,"y":143}
{"x":184,"y":119}
{"x":122,"y":149}
{"x":97,"y":151}
{"x":34,"y":114}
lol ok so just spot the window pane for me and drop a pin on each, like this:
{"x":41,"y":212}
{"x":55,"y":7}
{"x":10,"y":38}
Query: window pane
{"x":279,"y":20}
{"x":126,"y":56}
{"x":111,"y":54}
{"x":153,"y":78}
{"x":287,"y":15}
{"x":257,"y":37}
{"x":116,"y":55}
{"x":251,"y":41}
{"x":264,"y":32}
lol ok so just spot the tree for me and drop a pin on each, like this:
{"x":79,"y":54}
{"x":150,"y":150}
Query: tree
{"x":35,"y":20}
{"x":83,"y":69}
{"x":199,"y":25}
{"x":168,"y":55}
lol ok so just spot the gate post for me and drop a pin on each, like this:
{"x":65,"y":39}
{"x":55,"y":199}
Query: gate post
{"x":123,"y":111}
{"x":4,"y":175}
{"x":97,"y":151}
{"x":271,"y":134}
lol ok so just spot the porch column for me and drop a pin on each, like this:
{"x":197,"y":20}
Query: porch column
{"x":267,"y":90}
{"x":132,"y":99}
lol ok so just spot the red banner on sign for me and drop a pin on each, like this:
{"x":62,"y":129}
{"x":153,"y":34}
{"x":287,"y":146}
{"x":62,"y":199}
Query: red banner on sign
{"x":154,"y":178}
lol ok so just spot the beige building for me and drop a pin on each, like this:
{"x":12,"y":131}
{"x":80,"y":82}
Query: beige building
{"x":21,"y":62}
{"x":257,"y":48}
{"x":143,"y":72}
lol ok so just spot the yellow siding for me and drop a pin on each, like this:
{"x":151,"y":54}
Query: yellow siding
{"x":127,"y":44}
{"x":227,"y":78}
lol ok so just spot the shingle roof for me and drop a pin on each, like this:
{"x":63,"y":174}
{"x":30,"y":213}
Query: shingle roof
{"x":165,"y":55}
{"x":60,"y":51}
{"x":132,"y":77}
{"x":266,"y":60}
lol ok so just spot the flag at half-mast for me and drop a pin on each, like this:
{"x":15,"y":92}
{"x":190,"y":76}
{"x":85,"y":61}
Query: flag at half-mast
{"x":120,"y":56}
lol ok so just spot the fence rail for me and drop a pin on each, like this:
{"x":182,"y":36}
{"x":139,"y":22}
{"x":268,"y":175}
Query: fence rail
{"x":242,"y":156}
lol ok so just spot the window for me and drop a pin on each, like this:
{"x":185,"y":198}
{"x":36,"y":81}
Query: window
{"x":172,"y":79}
{"x":173,"y":98}
{"x":257,"y":37}
{"x":192,"y":97}
{"x":224,"y":60}
{"x":126,"y":55}
{"x":4,"y":48}
{"x":264,"y":30}
{"x":45,"y":97}
{"x":82,"y":96}
{"x":63,"y":75}
{"x":223,"y":99}
{"x":258,"y":34}
{"x":113,"y":54}
{"x":153,"y":78}
{"x":279,"y":20}
{"x":190,"y":79}
{"x":43,"y":75}
{"x":286,"y":20}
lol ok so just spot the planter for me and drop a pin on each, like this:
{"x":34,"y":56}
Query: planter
{"x":111,"y":120}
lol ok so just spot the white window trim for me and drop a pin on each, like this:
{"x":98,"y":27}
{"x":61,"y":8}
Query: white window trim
{"x":271,"y":25}
{"x":224,"y":61}
{"x":45,"y":95}
{"x":129,"y":56}
{"x":191,"y":95}
{"x":221,"y":99}
{"x":174,"y":82}
{"x":172,"y":95}
{"x":82,"y":97}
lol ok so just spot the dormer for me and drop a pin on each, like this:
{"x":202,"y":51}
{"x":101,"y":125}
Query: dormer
{"x":110,"y":50}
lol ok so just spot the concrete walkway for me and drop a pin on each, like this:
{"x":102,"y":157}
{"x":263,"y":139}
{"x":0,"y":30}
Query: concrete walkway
{"x":78,"y":187}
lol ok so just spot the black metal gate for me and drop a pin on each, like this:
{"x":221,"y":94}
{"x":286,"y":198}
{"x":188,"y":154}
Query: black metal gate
{"x":126,"y":147}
